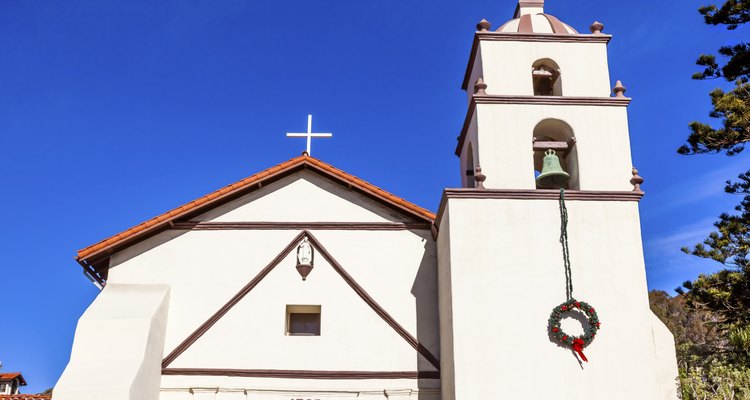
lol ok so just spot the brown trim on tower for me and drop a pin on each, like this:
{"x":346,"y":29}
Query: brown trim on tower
{"x":534,"y":194}
{"x":525,"y":37}
{"x":533,"y":100}
{"x":524,"y":25}
{"x":302,"y":374}
{"x":193,"y":337}
{"x":553,"y":100}
{"x":557,"y":26}
{"x":343,"y":226}
{"x":531,"y":3}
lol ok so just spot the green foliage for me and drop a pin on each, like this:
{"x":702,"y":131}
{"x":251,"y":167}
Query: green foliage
{"x":707,"y":370}
{"x":731,"y":108}
{"x":727,"y":292}
{"x":715,"y":381}
{"x":739,"y":339}
{"x":732,"y":13}
{"x":736,"y":67}
{"x":710,"y":317}
{"x":695,"y":332}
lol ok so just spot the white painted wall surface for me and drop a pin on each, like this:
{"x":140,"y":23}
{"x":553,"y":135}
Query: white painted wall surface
{"x":306,"y":197}
{"x":506,"y":67}
{"x":118,"y":345}
{"x":506,"y":275}
{"x":468,"y":162}
{"x":204,"y":269}
{"x":445,"y":295}
{"x":505,"y":134}
{"x":477,"y":71}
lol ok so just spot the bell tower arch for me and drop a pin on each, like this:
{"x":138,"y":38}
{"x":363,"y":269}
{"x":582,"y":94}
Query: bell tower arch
{"x":541,"y":116}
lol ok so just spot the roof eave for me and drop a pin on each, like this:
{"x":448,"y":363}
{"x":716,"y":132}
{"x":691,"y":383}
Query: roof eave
{"x":89,"y":257}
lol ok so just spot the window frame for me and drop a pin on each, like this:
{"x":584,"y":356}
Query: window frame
{"x":308,"y":310}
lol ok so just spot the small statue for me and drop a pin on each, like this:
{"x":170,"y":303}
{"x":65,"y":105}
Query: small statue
{"x":304,"y":258}
{"x":304,"y":253}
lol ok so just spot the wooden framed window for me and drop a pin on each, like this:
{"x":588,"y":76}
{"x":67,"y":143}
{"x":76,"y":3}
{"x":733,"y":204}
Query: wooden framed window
{"x":302,"y":320}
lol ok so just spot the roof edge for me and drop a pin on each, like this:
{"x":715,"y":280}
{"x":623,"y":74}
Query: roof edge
{"x":103,"y":249}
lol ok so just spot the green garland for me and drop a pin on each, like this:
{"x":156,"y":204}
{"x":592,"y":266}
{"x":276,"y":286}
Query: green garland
{"x":557,"y":315}
{"x":577,"y":343}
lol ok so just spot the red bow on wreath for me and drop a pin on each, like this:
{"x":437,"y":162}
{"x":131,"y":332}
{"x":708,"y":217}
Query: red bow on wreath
{"x":578,"y":347}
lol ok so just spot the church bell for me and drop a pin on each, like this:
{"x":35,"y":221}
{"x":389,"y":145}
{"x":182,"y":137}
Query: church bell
{"x":552,"y":176}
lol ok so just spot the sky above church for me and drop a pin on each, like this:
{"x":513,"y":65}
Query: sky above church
{"x":113,"y":112}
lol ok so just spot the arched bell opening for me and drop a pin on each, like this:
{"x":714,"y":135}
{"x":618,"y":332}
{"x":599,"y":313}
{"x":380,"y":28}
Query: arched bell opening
{"x":554,"y":139}
{"x":469,"y":167}
{"x":545,"y":75}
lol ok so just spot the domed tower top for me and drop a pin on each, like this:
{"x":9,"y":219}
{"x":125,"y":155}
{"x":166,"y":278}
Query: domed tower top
{"x":530,"y":18}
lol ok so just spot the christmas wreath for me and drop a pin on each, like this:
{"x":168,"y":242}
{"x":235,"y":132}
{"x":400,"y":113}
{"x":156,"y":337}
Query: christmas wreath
{"x":578,"y":343}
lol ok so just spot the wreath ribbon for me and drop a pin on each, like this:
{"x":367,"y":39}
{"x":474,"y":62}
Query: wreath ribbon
{"x":578,"y":348}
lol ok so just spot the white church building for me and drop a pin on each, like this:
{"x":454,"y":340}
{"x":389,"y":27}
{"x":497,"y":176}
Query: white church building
{"x":248,"y":293}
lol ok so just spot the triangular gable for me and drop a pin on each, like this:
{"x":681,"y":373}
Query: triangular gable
{"x":94,"y":258}
{"x":237,"y":298}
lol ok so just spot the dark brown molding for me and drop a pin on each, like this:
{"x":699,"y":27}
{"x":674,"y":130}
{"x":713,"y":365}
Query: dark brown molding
{"x":541,"y":37}
{"x":302,"y":374}
{"x":534,"y":194}
{"x":543,"y":194}
{"x":534,"y":100}
{"x":231,"y":303}
{"x":553,"y":100}
{"x":525,"y":37}
{"x":193,"y":337}
{"x":336,"y":226}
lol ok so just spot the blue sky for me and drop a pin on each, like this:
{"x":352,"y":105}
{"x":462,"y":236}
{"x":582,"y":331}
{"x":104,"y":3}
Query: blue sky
{"x":113,"y":112}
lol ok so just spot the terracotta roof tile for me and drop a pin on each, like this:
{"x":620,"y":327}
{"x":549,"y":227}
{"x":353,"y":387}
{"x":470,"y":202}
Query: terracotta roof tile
{"x":9,"y":376}
{"x":372,"y":190}
{"x":24,"y":397}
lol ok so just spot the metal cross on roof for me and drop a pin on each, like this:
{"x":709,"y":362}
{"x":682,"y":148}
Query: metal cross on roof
{"x":309,"y":134}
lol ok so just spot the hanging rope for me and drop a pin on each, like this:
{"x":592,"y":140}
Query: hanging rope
{"x":565,"y":248}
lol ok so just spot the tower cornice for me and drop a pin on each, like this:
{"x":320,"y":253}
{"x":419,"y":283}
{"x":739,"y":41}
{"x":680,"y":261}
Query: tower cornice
{"x":535,"y":100}
{"x":533,"y":194}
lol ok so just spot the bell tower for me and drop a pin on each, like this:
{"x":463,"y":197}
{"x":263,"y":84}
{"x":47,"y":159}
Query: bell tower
{"x":533,"y":84}
{"x":543,"y":115}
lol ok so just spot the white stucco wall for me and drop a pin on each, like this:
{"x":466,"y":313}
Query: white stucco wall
{"x":506,"y":275}
{"x":118,"y":345}
{"x":306,"y":197}
{"x":204,"y":269}
{"x":477,"y":71}
{"x":447,"y":361}
{"x":505,"y":134}
{"x":506,"y":67}
{"x":469,"y":161}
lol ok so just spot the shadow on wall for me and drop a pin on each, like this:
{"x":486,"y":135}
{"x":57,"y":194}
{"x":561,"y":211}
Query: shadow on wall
{"x":425,"y":291}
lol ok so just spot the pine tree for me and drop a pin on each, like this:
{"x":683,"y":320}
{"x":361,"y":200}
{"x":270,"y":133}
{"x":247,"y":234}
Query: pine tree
{"x":726,"y":293}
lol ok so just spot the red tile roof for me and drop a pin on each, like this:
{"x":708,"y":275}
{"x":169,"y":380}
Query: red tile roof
{"x":24,"y":397}
{"x":9,"y":376}
{"x":106,"y":247}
